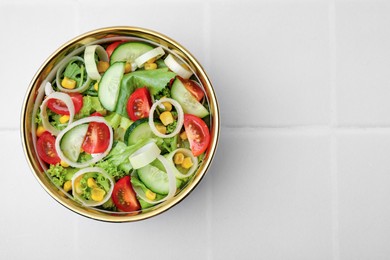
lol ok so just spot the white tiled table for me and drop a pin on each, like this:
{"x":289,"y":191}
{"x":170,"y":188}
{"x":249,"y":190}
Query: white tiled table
{"x":304,"y":93}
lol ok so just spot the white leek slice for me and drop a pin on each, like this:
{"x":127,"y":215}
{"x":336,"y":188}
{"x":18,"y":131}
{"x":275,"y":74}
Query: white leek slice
{"x":92,"y":203}
{"x":145,"y":155}
{"x":45,"y":118}
{"x":180,"y":117}
{"x":48,"y":89}
{"x":155,"y":53}
{"x":95,"y":157}
{"x":61,"y":69}
{"x":176,"y":67}
{"x":89,"y":57}
{"x":171,"y":183}
{"x":187,"y":153}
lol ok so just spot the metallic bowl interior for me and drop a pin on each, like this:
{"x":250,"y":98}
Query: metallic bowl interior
{"x":31,"y":96}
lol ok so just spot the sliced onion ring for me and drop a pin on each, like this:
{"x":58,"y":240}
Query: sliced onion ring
{"x":155,"y":53}
{"x":145,"y":155}
{"x":95,"y":157}
{"x":180,"y":117}
{"x":171,"y":182}
{"x":92,"y":203}
{"x":176,"y":67}
{"x":62,"y":67}
{"x":45,"y":119}
{"x":89,"y":58}
{"x":186,"y":152}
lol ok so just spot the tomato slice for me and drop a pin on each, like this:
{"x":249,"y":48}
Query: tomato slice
{"x":97,"y":138}
{"x":59,"y":107}
{"x":124,"y":196}
{"x":46,"y":149}
{"x":193,"y":87}
{"x":139,"y":103}
{"x":110,"y":48}
{"x":198,"y":134}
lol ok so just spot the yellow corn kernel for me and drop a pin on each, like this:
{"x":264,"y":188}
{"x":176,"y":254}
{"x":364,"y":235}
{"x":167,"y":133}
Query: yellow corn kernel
{"x":150,"y":66}
{"x":96,"y":86}
{"x":183,"y":136}
{"x":102,"y":66}
{"x":178,"y":158}
{"x":40,"y":130}
{"x":127,"y":67}
{"x":166,"y":118}
{"x":152,"y":60}
{"x":91,"y":183}
{"x":97,"y":194}
{"x":68,"y":83}
{"x":64,"y":119}
{"x":187,"y":163}
{"x":64,"y":164}
{"x":150,"y":195}
{"x":67,"y":186}
{"x":162,"y":129}
{"x":167,"y":106}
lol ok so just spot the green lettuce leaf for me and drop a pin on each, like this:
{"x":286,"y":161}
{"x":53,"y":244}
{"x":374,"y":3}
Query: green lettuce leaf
{"x":90,"y":105}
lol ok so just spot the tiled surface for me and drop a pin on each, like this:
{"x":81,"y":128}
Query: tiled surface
{"x":303,"y":87}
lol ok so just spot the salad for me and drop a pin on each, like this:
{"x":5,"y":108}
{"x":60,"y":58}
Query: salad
{"x":121,"y":125}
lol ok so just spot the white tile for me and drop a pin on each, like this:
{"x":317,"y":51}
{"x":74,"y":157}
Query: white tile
{"x":182,"y":21}
{"x":271,"y":196}
{"x":364,"y":196}
{"x":32,"y":223}
{"x":270,"y":62}
{"x":363,"y":62}
{"x":34,"y":31}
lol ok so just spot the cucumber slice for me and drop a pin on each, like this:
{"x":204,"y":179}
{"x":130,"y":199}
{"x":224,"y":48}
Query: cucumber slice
{"x":187,"y":101}
{"x":155,"y":179}
{"x":72,"y":141}
{"x":128,"y":52}
{"x":109,"y":85}
{"x":138,"y":130}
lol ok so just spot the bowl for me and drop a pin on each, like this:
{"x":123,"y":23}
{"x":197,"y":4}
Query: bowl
{"x":36,"y":92}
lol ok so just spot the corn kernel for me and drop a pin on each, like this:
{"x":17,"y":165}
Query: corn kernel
{"x":162,"y":129}
{"x":166,"y":118}
{"x":68,"y":83}
{"x":178,"y":158}
{"x":77,"y":185}
{"x":64,"y":119}
{"x":97,"y":194}
{"x":167,"y":106}
{"x":102,"y":66}
{"x":96,"y":86}
{"x":150,"y":195}
{"x":150,"y":66}
{"x":40,"y":130}
{"x":67,"y":186}
{"x":183,"y":136}
{"x":127,"y":67}
{"x":64,"y":164}
{"x":91,"y":183}
{"x":187,"y":163}
{"x":152,"y":60}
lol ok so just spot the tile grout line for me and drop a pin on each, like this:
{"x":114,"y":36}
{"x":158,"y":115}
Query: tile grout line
{"x":333,"y":132}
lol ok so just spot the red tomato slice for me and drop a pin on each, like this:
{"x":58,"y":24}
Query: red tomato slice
{"x":139,"y":103}
{"x":58,"y":107}
{"x":97,"y":138}
{"x":110,"y":48}
{"x":124,"y":196}
{"x":198,"y":134}
{"x":193,"y":87}
{"x":46,"y":149}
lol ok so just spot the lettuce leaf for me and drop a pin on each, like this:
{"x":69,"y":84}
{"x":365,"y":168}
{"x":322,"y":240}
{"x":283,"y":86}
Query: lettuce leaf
{"x":90,"y":105}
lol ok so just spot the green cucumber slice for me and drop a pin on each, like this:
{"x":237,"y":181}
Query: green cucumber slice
{"x":187,"y":101}
{"x":109,"y":85}
{"x":155,"y":179}
{"x":128,"y":52}
{"x":72,"y":141}
{"x":138,"y":130}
